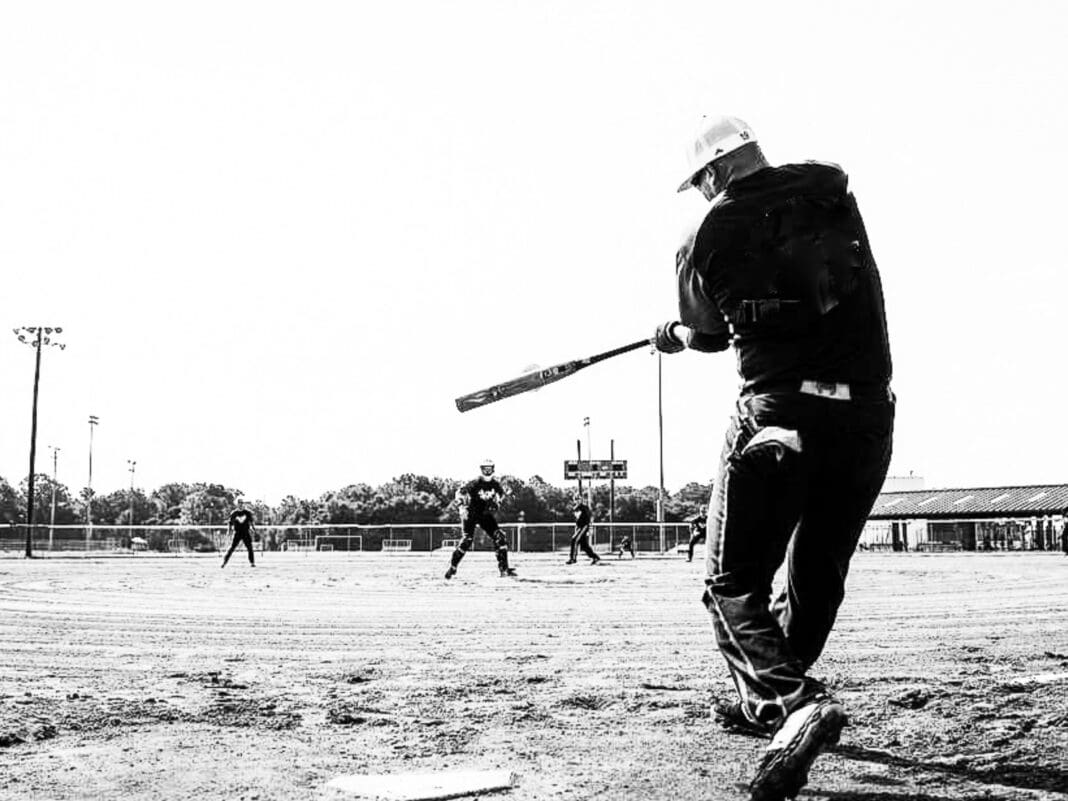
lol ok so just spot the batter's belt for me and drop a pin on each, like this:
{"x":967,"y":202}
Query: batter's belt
{"x":863,"y":392}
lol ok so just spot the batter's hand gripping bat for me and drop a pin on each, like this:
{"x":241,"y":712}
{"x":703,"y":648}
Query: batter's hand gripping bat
{"x":539,"y":378}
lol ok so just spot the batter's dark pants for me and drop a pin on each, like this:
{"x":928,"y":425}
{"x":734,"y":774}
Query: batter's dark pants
{"x":581,"y":539}
{"x":696,"y":538}
{"x":488,"y":524}
{"x":239,"y":538}
{"x":772,"y":503}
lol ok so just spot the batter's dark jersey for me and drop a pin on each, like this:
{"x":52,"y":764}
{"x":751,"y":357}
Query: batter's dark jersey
{"x":582,"y":515}
{"x":241,"y":520}
{"x":482,"y":496}
{"x":782,"y":262}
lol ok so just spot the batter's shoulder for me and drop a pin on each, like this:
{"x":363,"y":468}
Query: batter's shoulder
{"x":817,"y":176}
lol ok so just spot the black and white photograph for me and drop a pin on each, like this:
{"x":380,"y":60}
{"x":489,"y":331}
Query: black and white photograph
{"x":534,"y":401}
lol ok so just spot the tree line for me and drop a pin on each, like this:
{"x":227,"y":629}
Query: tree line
{"x":408,"y":498}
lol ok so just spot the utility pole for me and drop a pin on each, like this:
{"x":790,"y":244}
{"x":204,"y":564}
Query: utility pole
{"x":93,"y":422}
{"x":589,"y":455}
{"x":612,"y":481}
{"x":660,"y":422}
{"x":40,"y":336}
{"x":578,"y":449}
{"x":52,"y":519}
{"x":132,"y":468}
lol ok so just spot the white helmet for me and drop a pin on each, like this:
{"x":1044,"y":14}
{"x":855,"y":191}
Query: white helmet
{"x":487,"y":467}
{"x":714,"y":138}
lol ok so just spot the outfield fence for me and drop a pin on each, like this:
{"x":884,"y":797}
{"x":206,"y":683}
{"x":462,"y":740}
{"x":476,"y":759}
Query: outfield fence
{"x":647,"y":538}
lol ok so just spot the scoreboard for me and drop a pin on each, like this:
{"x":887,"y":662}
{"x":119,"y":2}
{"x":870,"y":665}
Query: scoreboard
{"x":594,"y":468}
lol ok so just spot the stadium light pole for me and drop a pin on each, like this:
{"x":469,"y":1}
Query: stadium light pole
{"x":660,"y":424}
{"x":132,"y":468}
{"x":589,"y":456}
{"x":93,"y":422}
{"x":611,"y":483}
{"x":52,"y":518}
{"x":40,"y":336}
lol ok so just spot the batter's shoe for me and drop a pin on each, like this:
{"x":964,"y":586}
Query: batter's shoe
{"x":450,"y":572}
{"x":508,"y":572}
{"x":802,"y":736}
{"x":730,"y":717}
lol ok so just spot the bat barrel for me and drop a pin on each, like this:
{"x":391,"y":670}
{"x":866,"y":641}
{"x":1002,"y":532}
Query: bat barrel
{"x":530,"y":381}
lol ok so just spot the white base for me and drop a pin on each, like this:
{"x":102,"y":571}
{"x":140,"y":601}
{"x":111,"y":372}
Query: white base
{"x":424,"y":786}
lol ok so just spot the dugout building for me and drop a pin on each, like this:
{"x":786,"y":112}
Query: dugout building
{"x":1029,"y":518}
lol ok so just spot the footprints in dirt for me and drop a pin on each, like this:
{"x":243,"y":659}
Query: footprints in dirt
{"x":915,"y":698}
{"x":15,"y":730}
{"x":985,"y":718}
{"x":239,"y":703}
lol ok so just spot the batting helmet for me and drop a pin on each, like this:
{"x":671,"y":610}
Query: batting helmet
{"x":715,"y":137}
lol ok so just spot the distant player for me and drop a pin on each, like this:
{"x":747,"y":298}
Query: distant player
{"x":479,"y":499}
{"x":581,"y":537}
{"x":242,"y":526}
{"x":698,"y":533}
{"x":625,"y":546}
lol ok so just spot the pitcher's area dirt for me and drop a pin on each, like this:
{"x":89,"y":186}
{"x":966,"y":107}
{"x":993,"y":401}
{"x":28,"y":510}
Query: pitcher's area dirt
{"x":168,"y":678}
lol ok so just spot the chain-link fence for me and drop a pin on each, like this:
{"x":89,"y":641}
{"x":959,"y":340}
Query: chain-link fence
{"x":648,"y":538}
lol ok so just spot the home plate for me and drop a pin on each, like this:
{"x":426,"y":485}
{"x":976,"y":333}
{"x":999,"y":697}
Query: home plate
{"x":572,"y":579}
{"x":424,"y":786}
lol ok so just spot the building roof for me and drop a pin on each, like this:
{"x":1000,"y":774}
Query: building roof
{"x":978,"y":502}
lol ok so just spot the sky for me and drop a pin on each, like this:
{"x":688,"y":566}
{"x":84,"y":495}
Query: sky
{"x":282,"y":238}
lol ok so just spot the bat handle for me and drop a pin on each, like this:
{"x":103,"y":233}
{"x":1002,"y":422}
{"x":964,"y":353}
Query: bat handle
{"x":681,"y":331}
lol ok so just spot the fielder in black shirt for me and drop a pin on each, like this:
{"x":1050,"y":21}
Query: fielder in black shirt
{"x":581,"y":537}
{"x":698,"y":533}
{"x":625,"y":546}
{"x":242,"y":525}
{"x":479,"y":499}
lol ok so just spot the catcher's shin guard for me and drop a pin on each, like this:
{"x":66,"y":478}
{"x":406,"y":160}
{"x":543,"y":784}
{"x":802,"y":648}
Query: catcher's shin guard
{"x":462,"y":548}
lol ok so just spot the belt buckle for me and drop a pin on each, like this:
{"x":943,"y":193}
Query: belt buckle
{"x":827,"y":389}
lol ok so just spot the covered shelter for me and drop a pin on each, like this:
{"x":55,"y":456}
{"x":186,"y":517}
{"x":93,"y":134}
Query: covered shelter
{"x":1026,"y":518}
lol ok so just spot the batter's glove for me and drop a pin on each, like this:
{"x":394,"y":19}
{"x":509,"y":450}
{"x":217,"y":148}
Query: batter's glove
{"x":665,"y":339}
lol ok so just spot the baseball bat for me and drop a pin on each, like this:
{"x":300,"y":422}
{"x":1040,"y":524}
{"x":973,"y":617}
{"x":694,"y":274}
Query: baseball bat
{"x":539,"y":378}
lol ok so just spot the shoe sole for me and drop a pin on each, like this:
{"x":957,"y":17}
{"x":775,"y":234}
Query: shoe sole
{"x":785,"y":778}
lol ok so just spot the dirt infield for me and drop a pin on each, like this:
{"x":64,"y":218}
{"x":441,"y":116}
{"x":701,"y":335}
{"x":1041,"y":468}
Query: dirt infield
{"x":168,"y":678}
